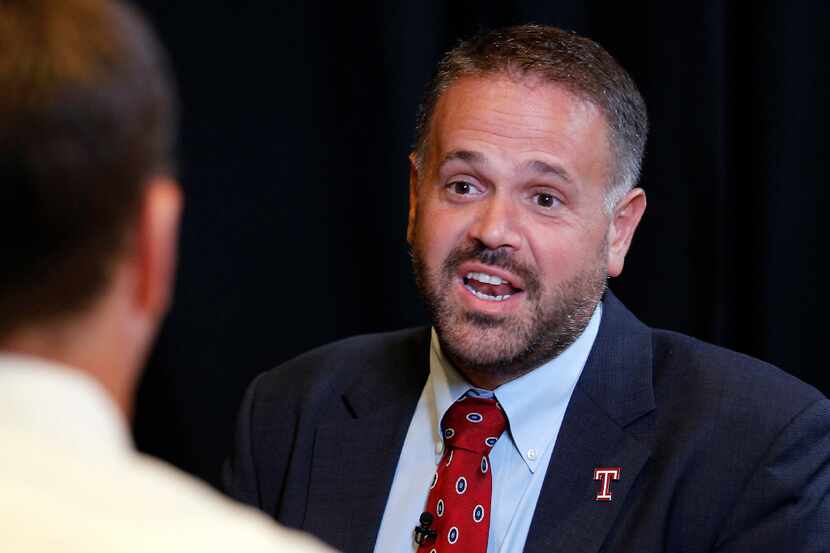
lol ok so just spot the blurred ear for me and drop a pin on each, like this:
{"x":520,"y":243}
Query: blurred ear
{"x":157,"y":236}
{"x":413,"y":198}
{"x":624,"y":221}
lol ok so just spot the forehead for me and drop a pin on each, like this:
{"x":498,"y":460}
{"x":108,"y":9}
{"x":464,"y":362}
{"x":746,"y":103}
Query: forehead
{"x":519,"y":117}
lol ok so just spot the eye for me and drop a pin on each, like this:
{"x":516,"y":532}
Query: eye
{"x":463,"y":188}
{"x":543,"y":199}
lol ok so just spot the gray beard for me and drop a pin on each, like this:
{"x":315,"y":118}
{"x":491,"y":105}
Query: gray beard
{"x":504,"y":348}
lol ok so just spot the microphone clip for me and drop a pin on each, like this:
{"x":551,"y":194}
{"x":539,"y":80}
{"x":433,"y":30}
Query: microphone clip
{"x":423,"y":532}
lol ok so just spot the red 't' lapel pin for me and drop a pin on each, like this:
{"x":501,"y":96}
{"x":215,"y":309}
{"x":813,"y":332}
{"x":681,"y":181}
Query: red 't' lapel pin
{"x":605,"y":475}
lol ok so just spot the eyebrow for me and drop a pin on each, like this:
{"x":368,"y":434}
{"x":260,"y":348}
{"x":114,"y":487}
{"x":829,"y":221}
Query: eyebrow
{"x":537,"y":166}
{"x":469,"y":156}
{"x":543,"y":168}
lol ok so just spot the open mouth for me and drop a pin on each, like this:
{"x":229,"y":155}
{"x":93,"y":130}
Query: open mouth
{"x":489,"y":287}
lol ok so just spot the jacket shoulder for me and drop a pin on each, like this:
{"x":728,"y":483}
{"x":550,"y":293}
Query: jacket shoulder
{"x":333,"y":367}
{"x":726,"y":386}
{"x":740,"y":436}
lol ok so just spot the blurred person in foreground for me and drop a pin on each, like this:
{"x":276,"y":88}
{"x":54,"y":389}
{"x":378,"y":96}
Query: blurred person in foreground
{"x":537,"y":414}
{"x":90,"y":212}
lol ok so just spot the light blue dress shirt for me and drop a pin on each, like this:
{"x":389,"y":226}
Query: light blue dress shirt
{"x":535,"y":406}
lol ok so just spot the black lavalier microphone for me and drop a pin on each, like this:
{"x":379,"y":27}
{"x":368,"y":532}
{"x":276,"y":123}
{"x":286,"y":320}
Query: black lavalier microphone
{"x":423,"y":532}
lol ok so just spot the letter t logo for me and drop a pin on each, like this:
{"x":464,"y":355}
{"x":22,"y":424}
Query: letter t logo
{"x":605,"y":475}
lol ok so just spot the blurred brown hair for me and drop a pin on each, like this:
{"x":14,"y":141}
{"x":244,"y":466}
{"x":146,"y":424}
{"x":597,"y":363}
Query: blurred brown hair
{"x":87,"y":116}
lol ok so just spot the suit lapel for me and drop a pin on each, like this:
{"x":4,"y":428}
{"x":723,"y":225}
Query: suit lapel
{"x":356,"y":452}
{"x":607,"y":425}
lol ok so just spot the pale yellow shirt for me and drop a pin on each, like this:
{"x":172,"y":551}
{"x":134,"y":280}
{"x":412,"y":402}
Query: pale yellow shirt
{"x":70,"y":480}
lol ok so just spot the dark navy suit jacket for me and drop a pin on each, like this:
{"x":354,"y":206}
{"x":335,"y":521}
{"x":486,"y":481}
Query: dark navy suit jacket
{"x":718,"y":451}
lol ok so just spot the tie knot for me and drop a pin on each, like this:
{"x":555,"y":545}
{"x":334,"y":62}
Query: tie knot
{"x":474,"y":424}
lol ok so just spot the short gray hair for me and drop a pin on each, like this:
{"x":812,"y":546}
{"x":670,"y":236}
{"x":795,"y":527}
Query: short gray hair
{"x":578,"y":64}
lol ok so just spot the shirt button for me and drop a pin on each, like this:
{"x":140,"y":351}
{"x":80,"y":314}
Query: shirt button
{"x":531,"y":454}
{"x":439,"y":447}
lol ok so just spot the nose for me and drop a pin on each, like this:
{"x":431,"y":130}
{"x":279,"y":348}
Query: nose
{"x":496,"y":225}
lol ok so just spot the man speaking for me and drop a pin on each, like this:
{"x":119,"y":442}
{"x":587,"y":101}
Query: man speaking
{"x":537,"y":414}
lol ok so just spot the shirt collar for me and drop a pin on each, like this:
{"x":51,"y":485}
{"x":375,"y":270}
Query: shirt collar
{"x":534,"y":403}
{"x":61,"y":405}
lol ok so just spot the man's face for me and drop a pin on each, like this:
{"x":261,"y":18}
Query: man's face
{"x":509,"y":238}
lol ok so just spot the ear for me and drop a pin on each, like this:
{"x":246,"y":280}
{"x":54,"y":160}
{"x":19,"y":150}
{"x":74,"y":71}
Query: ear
{"x":413,"y":198}
{"x":624,"y":221}
{"x":158,"y":235}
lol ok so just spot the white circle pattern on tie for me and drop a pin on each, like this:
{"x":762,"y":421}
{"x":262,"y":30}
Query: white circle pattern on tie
{"x":475,"y":417}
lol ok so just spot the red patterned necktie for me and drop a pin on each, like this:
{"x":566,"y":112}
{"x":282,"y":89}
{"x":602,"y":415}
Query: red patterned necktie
{"x":459,"y":497}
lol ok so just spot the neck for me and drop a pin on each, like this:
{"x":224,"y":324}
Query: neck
{"x":87,"y":346}
{"x":486,"y":380}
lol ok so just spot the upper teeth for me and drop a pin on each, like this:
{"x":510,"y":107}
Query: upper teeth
{"x":485,"y":278}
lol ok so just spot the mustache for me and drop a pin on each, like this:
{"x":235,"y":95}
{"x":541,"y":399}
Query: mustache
{"x":502,"y":257}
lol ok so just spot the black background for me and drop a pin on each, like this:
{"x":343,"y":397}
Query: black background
{"x":296,"y":122}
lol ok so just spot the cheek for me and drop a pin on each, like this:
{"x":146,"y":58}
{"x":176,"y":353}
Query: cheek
{"x":562,"y":255}
{"x":437,"y":232}
{"x":556,"y":261}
